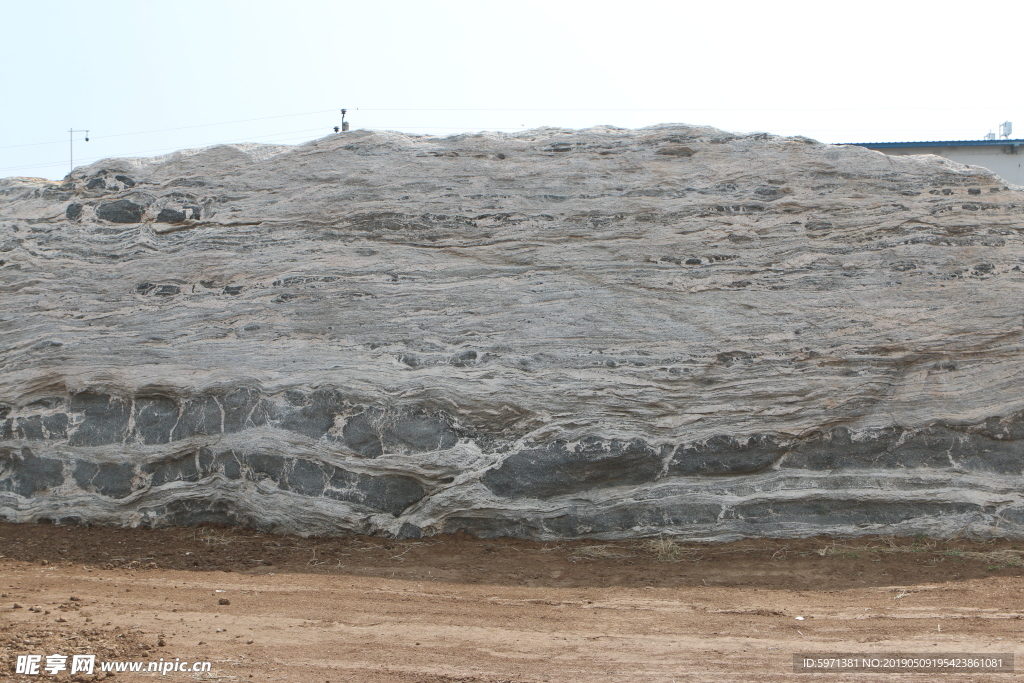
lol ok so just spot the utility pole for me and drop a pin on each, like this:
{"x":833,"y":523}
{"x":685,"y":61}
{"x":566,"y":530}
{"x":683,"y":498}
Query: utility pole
{"x":71,"y":143}
{"x":344,"y":123}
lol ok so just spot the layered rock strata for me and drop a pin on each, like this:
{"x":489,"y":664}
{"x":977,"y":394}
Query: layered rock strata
{"x":555,"y":334}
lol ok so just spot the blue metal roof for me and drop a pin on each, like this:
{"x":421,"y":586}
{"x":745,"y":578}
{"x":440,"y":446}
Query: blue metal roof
{"x":939,"y":143}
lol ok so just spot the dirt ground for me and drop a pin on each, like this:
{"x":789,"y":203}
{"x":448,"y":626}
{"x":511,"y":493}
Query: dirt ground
{"x":454,"y":608}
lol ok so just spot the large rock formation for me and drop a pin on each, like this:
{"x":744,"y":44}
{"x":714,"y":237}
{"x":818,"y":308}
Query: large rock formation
{"x":555,"y":334}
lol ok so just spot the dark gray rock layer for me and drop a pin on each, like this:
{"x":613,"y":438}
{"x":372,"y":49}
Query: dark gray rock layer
{"x":694,"y":485}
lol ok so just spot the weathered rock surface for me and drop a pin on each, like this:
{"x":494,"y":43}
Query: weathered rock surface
{"x":600,"y":333}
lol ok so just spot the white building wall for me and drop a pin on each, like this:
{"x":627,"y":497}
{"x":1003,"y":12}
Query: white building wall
{"x":1010,"y":167}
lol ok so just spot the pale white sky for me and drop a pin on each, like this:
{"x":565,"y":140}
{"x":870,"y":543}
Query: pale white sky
{"x":147,"y":78}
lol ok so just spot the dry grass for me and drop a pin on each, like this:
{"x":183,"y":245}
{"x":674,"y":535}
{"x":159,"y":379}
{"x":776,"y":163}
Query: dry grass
{"x":600,"y":552}
{"x":996,"y":559}
{"x":1005,"y":558}
{"x":211,"y":535}
{"x":667,"y":550}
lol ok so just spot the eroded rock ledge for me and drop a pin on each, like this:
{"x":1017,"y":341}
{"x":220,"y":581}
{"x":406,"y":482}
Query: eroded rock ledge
{"x":600,"y":333}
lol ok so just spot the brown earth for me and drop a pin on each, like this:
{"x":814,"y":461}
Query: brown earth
{"x":446,"y":609}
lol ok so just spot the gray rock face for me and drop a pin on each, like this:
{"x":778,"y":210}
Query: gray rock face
{"x":555,"y":334}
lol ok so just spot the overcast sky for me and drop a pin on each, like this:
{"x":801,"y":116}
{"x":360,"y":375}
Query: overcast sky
{"x":147,"y":78}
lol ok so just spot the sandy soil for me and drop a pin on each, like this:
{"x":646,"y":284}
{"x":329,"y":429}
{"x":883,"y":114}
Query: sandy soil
{"x":275,"y":608}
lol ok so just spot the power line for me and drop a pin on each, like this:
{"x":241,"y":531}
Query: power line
{"x":400,"y":128}
{"x":165,"y":149}
{"x":459,"y":128}
{"x":538,"y":109}
{"x":731,"y":109}
{"x":223,"y":123}
{"x":164,"y":130}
